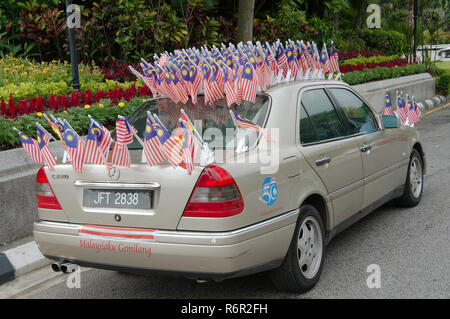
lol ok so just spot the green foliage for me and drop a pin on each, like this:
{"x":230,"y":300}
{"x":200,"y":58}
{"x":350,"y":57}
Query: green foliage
{"x":348,"y":41}
{"x":77,"y":117}
{"x":387,"y":41}
{"x":290,"y":19}
{"x":380,"y":73}
{"x":443,"y":84}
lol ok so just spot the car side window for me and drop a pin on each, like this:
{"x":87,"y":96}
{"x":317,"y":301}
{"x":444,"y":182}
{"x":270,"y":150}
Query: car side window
{"x":359,"y":116}
{"x":323,"y":116}
{"x":307,"y":132}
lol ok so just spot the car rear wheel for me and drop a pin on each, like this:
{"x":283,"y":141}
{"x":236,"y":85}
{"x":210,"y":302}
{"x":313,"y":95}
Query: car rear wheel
{"x":412,"y":192}
{"x":303,"y":262}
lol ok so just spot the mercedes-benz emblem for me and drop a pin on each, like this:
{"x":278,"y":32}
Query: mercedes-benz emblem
{"x":114,"y":173}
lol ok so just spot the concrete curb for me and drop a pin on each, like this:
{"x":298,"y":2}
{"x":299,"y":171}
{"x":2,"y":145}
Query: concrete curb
{"x":433,"y":102}
{"x":20,"y":260}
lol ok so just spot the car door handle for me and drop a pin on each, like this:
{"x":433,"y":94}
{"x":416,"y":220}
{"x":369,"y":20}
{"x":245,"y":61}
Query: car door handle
{"x":365,"y":148}
{"x":323,"y":161}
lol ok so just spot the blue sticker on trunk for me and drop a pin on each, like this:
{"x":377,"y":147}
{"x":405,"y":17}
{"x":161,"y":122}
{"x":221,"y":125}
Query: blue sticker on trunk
{"x":269,"y":191}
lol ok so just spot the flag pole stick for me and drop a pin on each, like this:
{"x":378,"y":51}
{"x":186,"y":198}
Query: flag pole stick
{"x":190,"y":123}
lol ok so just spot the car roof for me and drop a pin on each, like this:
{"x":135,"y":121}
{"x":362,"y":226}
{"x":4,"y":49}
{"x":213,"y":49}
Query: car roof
{"x":304,"y":83}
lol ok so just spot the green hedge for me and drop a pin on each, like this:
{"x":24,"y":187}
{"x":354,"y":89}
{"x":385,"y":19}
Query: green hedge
{"x":387,"y":41}
{"x":443,"y":84}
{"x":380,"y":73}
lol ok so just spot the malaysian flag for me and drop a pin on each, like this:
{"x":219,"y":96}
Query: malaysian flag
{"x":248,"y":83}
{"x":246,"y":123}
{"x":412,"y":115}
{"x":30,"y":145}
{"x":324,"y":60}
{"x":195,"y":78}
{"x":74,"y":147}
{"x":54,"y":127}
{"x":401,"y":109}
{"x":93,"y":153}
{"x":334,"y":65}
{"x":388,"y":110}
{"x":280,"y":57}
{"x":188,"y":144}
{"x":417,"y":109}
{"x":120,"y":155}
{"x":47,"y":155}
{"x":170,"y":146}
{"x":152,"y":147}
{"x":230,"y":93}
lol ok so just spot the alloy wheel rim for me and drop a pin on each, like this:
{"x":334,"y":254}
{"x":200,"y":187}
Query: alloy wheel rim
{"x":309,"y":247}
{"x":415,"y":177}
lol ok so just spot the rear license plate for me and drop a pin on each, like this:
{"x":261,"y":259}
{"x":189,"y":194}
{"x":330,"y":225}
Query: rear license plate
{"x":117,"y":198}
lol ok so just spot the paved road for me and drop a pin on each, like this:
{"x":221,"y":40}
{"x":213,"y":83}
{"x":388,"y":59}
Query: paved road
{"x":411,"y":246}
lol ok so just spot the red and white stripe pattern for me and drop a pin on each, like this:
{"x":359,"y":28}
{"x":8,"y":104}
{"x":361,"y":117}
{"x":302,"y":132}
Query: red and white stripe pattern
{"x":120,"y":155}
{"x":33,"y":152}
{"x":412,"y":115}
{"x":117,"y":233}
{"x":124,"y":133}
{"x":152,"y":147}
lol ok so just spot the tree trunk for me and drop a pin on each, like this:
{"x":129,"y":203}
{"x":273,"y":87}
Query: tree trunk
{"x":245,"y":23}
{"x":360,"y":16}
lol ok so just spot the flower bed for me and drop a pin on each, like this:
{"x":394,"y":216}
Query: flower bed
{"x":105,"y":112}
{"x":396,"y":62}
{"x":27,"y":87}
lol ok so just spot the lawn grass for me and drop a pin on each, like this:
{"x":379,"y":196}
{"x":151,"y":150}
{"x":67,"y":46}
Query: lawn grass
{"x":443,"y":65}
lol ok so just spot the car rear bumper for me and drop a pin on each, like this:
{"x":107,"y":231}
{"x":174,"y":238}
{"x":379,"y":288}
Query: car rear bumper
{"x":215,"y":255}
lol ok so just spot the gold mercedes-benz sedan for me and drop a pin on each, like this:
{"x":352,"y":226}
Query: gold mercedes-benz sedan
{"x":257,"y":206}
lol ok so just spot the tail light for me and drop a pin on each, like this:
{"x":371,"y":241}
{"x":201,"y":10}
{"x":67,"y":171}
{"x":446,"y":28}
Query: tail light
{"x":44,"y":193}
{"x":215,"y":195}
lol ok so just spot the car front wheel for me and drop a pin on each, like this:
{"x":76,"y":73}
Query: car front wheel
{"x":412,"y":192}
{"x":303,"y":262}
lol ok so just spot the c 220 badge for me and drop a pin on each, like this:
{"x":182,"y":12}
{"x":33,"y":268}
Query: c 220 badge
{"x":269,"y":191}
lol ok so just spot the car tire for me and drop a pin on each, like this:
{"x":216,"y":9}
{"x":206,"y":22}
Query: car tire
{"x":302,"y":265}
{"x":412,"y":192}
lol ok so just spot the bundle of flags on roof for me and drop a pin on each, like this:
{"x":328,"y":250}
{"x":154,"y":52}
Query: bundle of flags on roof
{"x":235,"y":73}
{"x":407,"y":110}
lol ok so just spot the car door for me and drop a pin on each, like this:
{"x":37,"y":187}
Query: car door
{"x":329,"y":150}
{"x":379,"y":149}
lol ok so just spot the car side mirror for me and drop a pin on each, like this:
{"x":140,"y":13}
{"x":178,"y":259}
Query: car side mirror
{"x":390,"y":121}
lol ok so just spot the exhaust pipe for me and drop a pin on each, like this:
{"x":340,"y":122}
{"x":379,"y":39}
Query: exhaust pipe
{"x":68,"y":268}
{"x":56,"y":266}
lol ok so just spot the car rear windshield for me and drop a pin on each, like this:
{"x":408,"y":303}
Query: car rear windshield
{"x":213,"y":122}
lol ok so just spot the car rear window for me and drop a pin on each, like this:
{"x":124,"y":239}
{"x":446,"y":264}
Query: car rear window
{"x":211,"y":121}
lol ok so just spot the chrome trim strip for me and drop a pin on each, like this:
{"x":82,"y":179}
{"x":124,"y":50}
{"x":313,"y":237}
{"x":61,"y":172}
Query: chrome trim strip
{"x":203,"y":234}
{"x":345,"y":190}
{"x":150,"y":185}
{"x":386,"y":171}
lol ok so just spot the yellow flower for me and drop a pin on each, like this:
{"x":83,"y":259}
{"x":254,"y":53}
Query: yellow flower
{"x":143,"y":100}
{"x":87,"y":106}
{"x":121,"y":104}
{"x":39,"y":114}
{"x":64,"y":111}
{"x":101,"y":105}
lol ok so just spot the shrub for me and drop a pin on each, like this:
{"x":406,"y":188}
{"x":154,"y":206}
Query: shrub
{"x":387,"y":41}
{"x":443,"y":84}
{"x":379,"y":73}
{"x":349,"y":41}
